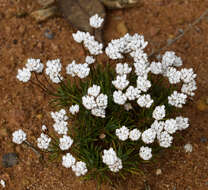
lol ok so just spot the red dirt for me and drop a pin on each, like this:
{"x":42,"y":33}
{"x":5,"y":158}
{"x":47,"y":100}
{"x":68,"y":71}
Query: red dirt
{"x":24,"y":106}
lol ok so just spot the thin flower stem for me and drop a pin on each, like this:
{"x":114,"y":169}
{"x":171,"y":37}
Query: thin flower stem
{"x":33,"y":148}
{"x":34,"y":83}
{"x":41,"y":83}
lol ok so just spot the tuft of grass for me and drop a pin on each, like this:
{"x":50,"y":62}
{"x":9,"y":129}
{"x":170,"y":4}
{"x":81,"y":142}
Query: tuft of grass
{"x":86,"y":129}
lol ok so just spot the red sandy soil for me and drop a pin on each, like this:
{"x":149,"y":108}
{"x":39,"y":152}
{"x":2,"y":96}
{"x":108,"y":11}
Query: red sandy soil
{"x":24,"y":106}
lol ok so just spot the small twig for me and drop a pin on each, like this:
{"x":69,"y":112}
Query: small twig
{"x":48,"y":82}
{"x":34,"y":83}
{"x":182,"y":34}
{"x":41,"y":83}
{"x":33,"y":149}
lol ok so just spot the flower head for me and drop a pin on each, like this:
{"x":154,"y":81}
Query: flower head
{"x":79,"y":168}
{"x":24,"y":75}
{"x":159,"y":112}
{"x":74,"y":109}
{"x":119,"y":97}
{"x":134,"y":134}
{"x":145,"y":101}
{"x":122,"y":133}
{"x":148,"y":136}
{"x":53,"y":70}
{"x":68,"y":160}
{"x":177,"y":99}
{"x":94,"y":90}
{"x":145,"y":153}
{"x":96,"y":21}
{"x":43,"y":141}
{"x":19,"y":136}
{"x":34,"y":65}
{"x":65,"y":142}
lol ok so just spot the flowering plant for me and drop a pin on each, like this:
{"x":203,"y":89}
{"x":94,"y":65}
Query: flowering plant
{"x":121,"y":113}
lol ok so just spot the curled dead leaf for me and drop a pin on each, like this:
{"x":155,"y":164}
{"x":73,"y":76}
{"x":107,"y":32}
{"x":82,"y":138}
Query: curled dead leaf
{"x":78,"y":13}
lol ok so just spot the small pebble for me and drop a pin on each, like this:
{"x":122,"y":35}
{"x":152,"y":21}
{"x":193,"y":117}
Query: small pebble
{"x":9,"y":160}
{"x":188,"y":148}
{"x":49,"y":34}
{"x":158,"y":172}
{"x":203,"y":139}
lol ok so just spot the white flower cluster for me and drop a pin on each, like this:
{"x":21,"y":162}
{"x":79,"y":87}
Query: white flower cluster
{"x":123,"y":69}
{"x":170,"y":126}
{"x":143,"y":84}
{"x":65,"y":142}
{"x":119,"y":97}
{"x":111,"y":160}
{"x":148,"y":136}
{"x":19,"y":136}
{"x":170,"y":59}
{"x":158,"y":127}
{"x":128,"y":106}
{"x":145,"y":101}
{"x":44,"y":128}
{"x":79,"y":168}
{"x":188,"y":77}
{"x":23,"y":75}
{"x":164,"y":129}
{"x":159,"y":112}
{"x":68,"y":161}
{"x":156,"y":68}
{"x":124,"y":45}
{"x":43,"y":141}
{"x":160,"y":130}
{"x":182,"y":123}
{"x":177,"y":99}
{"x":32,"y":65}
{"x":3,"y":184}
{"x":53,"y":70}
{"x":94,"y":47}
{"x":60,"y":125}
{"x":173,"y":75}
{"x":124,"y":133}
{"x":74,"y":109}
{"x":121,"y":82}
{"x":95,"y":101}
{"x":141,"y":66}
{"x":189,"y":88}
{"x":132,"y":93}
{"x":80,"y":70}
{"x":96,"y":21}
{"x":165,"y":139}
{"x":134,"y":134}
{"x":89,"y":60}
{"x":145,"y":153}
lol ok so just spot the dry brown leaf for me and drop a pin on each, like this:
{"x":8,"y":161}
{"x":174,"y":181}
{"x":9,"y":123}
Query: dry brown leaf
{"x":78,"y":13}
